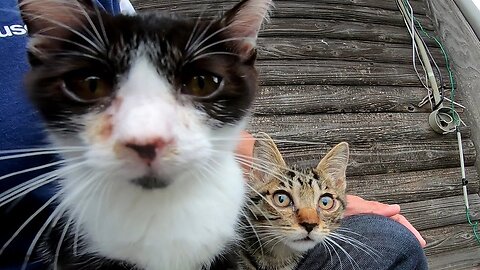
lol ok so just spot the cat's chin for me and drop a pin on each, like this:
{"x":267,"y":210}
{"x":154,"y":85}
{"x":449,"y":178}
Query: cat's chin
{"x":302,"y":245}
{"x":151,"y":181}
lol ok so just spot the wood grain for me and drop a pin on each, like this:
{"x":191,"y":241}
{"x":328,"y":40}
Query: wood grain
{"x":336,"y":49}
{"x":387,"y":157}
{"x":312,"y":99}
{"x":371,"y":127}
{"x":445,"y":239}
{"x":457,"y":259}
{"x":442,"y":212}
{"x":334,"y":72}
{"x":409,"y":187}
{"x":293,"y":9}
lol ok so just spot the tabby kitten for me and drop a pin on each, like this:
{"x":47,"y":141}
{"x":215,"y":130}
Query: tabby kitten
{"x":292,"y":210}
{"x":146,"y":110}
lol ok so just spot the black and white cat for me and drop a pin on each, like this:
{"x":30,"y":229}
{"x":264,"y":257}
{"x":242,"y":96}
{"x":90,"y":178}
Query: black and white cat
{"x":148,"y":109}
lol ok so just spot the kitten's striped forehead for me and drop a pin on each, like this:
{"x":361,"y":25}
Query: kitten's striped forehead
{"x":303,"y":176}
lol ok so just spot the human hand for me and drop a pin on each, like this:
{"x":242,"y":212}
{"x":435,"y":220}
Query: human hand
{"x":245,"y":149}
{"x":357,"y":205}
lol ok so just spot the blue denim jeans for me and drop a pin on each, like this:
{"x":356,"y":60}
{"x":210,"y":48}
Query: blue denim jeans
{"x":378,"y":243}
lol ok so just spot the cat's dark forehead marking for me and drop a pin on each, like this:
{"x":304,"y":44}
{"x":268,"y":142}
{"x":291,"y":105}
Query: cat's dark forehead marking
{"x":304,"y":176}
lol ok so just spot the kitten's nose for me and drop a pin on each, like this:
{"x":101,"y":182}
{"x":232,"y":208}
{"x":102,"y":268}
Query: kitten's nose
{"x":308,"y":226}
{"x":148,"y":151}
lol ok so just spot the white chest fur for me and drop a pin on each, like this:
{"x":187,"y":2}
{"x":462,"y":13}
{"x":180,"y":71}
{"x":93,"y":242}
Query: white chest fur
{"x":179,"y":227}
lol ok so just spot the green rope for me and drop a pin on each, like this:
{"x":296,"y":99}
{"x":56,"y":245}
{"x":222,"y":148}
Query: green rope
{"x":453,"y":112}
{"x":473,"y":224}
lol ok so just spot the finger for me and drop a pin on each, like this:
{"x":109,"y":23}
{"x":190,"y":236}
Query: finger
{"x":245,"y":148}
{"x":402,"y":220}
{"x":357,"y":205}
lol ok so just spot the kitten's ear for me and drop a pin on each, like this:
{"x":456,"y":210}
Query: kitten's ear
{"x":266,"y":150}
{"x":49,"y":21}
{"x":244,"y":22}
{"x":335,"y":164}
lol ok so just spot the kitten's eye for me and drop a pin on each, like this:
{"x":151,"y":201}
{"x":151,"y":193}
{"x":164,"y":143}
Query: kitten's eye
{"x":326,"y":202}
{"x":201,"y":85}
{"x":87,"y":89}
{"x":282,"y":199}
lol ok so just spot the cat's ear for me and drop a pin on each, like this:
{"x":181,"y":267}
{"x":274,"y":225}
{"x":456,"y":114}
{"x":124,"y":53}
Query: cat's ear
{"x":266,"y":157}
{"x":334,"y":164}
{"x":49,"y":21}
{"x":243,"y":22}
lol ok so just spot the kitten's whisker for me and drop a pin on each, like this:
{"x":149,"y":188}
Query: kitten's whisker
{"x":334,"y":250}
{"x":20,"y":229}
{"x":352,"y":261}
{"x":216,"y":43}
{"x":210,"y":54}
{"x":254,"y":230}
{"x":329,"y":252}
{"x":357,"y":244}
{"x":29,"y":150}
{"x":195,"y":44}
{"x":32,"y":169}
{"x":70,"y":29}
{"x":39,"y":153}
{"x":194,"y":31}
{"x":200,"y":40}
{"x":60,"y":242}
{"x":79,"y":54}
{"x":25,"y":188}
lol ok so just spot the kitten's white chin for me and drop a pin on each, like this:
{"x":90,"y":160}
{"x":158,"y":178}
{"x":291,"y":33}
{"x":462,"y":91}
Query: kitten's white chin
{"x":181,"y":226}
{"x":302,"y":246}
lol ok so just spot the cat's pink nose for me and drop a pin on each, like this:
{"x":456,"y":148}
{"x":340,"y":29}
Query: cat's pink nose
{"x":148,"y":151}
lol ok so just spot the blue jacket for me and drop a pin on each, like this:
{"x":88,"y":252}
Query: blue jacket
{"x":20,"y":127}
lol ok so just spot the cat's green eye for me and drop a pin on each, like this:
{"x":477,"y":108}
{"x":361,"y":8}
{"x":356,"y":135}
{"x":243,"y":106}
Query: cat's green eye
{"x":326,"y":202}
{"x":281,"y":199}
{"x":87,"y":89}
{"x":201,"y":85}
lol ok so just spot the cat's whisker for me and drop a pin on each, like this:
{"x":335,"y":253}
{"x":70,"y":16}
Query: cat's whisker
{"x":199,"y":42}
{"x":25,"y":223}
{"x":29,"y":150}
{"x":335,"y":251}
{"x":39,"y":181}
{"x":198,"y":39}
{"x":263,"y":139}
{"x":60,"y":242}
{"x":194,"y":31}
{"x":69,"y":28}
{"x":217,"y":43}
{"x":210,"y":54}
{"x":38,"y":153}
{"x":328,"y":250}
{"x":357,"y":244}
{"x":352,"y":261}
{"x":253,"y":229}
{"x":79,"y":54}
{"x":32,"y":169}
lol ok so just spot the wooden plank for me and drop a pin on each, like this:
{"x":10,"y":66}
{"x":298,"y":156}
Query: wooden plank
{"x":311,"y":99}
{"x":419,"y":7}
{"x":292,"y":9}
{"x":464,"y":259}
{"x":442,"y":212}
{"x":410,"y":186}
{"x":387,"y":157}
{"x":445,"y":239}
{"x":463,"y":47}
{"x":371,"y":127}
{"x":335,"y":49}
{"x":291,"y":27}
{"x":336,"y":73}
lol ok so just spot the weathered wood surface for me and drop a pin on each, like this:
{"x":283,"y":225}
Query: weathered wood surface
{"x":292,"y":27}
{"x":418,"y":6}
{"x":445,"y":239}
{"x":372,"y":127}
{"x":381,"y":157}
{"x":312,"y":99}
{"x":334,"y":72}
{"x":409,"y":187}
{"x":457,"y":259}
{"x":337,"y":49}
{"x":441,"y":212}
{"x":296,"y":9}
{"x":463,"y":47}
